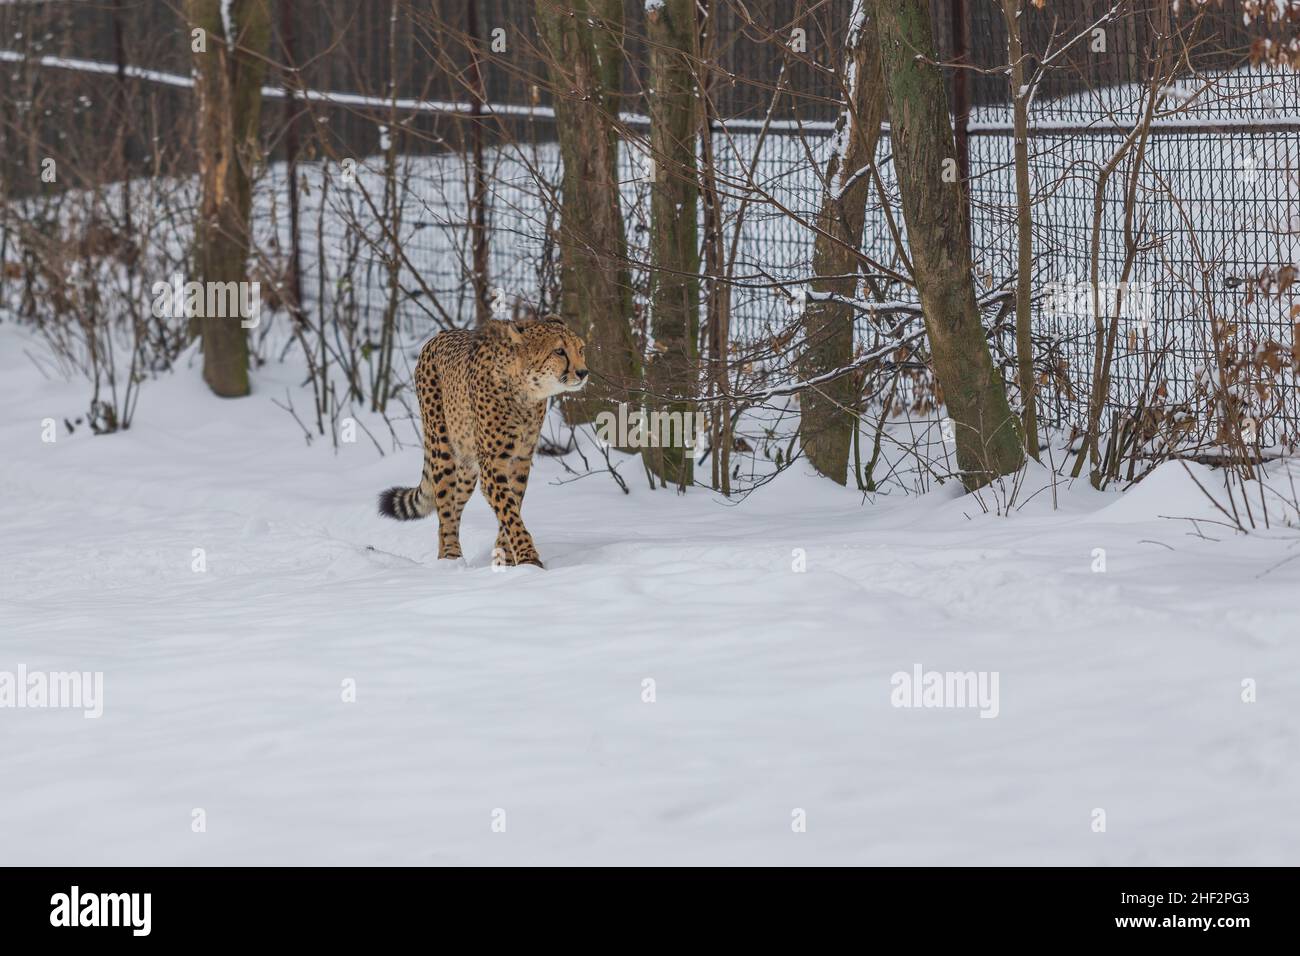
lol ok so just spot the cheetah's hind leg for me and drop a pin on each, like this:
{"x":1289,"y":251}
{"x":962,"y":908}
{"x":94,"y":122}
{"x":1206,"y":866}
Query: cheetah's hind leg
{"x":441,"y":487}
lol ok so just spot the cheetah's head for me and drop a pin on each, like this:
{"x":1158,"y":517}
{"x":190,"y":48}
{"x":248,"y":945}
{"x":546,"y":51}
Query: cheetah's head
{"x":550,"y":357}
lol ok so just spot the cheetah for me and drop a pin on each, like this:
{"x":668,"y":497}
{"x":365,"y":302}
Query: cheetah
{"x":482,"y":399}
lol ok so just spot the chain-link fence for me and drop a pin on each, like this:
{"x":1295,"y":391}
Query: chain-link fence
{"x":1182,"y":249}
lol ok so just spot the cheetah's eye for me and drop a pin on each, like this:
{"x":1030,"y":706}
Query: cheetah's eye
{"x":560,"y":352}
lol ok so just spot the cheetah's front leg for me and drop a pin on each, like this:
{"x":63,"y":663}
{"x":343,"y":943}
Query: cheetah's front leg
{"x":505,"y":478}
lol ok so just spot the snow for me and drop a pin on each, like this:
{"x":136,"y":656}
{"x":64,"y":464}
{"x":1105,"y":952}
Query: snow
{"x":521,"y":690}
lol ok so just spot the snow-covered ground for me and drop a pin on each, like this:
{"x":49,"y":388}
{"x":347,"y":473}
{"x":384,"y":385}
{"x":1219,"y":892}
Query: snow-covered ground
{"x":518,"y":697}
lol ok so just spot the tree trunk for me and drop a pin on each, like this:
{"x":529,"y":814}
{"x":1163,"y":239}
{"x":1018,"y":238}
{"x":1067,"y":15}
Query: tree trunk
{"x":478,"y":197}
{"x":717,"y":288}
{"x":1012,"y":10}
{"x":934,"y":208}
{"x":228,"y":87}
{"x":674,"y":229}
{"x":124,"y":117}
{"x":827,"y":415}
{"x":585,"y":62}
{"x":293,"y":281}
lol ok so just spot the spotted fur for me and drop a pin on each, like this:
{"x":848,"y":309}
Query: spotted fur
{"x":482,"y":400}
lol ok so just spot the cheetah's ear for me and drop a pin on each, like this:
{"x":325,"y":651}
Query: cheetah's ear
{"x":510,"y":331}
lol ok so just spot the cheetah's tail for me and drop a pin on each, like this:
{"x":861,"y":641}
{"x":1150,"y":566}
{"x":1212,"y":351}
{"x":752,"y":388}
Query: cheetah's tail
{"x":407,"y":504}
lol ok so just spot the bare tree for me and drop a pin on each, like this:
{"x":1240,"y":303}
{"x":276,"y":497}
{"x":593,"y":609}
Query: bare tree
{"x":229,"y":67}
{"x":1021,"y":94}
{"x":583,"y":46}
{"x":827,"y":420}
{"x":984,"y":429}
{"x":674,"y":232}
